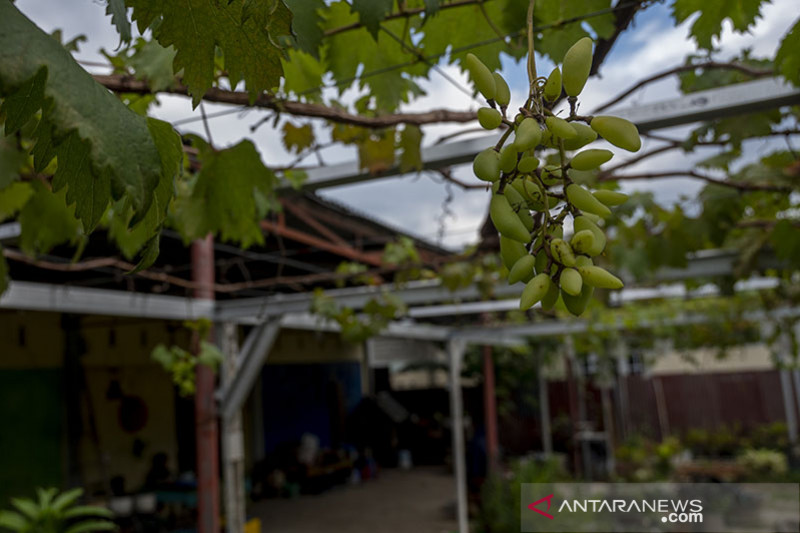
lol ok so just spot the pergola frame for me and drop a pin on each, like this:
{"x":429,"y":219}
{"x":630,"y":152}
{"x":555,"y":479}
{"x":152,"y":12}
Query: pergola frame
{"x":269,"y":314}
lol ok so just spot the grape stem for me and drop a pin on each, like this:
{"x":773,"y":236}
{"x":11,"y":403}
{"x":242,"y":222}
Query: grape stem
{"x":531,"y":57}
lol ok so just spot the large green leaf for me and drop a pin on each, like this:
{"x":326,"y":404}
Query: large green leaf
{"x":246,"y":31}
{"x":787,"y":60}
{"x":46,"y":221}
{"x":347,"y":50}
{"x":742,"y":14}
{"x":223,"y":197}
{"x":372,"y":12}
{"x":306,"y":23}
{"x":119,"y":18}
{"x":103,"y":148}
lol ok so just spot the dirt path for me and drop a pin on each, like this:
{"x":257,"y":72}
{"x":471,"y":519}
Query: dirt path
{"x":416,"y":501}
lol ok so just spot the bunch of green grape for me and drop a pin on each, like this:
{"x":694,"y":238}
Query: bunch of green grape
{"x":530,"y":202}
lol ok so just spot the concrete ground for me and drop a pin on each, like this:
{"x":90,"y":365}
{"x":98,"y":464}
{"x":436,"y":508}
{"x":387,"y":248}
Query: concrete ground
{"x":420,"y":500}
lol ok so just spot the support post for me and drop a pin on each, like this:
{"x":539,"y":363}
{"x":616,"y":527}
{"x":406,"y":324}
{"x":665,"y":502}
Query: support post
{"x":544,"y":412}
{"x":455,"y":351}
{"x":232,"y":439}
{"x":205,"y":409}
{"x":490,"y":412}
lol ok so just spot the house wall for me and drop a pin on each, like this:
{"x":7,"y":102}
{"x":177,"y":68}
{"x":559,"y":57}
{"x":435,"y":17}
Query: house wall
{"x":115,"y":350}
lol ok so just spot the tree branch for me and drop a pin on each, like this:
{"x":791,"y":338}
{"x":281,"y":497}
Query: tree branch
{"x":742,"y":186}
{"x":756,"y":73}
{"x":128,"y":84}
{"x":402,"y":14}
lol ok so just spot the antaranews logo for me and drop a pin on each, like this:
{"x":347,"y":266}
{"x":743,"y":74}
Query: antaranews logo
{"x":659,"y":507}
{"x":673,"y":511}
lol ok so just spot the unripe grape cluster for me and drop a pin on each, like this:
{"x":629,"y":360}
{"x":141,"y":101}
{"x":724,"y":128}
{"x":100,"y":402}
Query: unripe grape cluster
{"x":530,"y":201}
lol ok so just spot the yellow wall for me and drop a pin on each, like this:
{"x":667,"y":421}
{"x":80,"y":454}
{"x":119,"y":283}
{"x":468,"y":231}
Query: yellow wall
{"x":125,"y":358}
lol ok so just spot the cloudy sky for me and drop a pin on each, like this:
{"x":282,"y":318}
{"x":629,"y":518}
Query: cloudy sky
{"x":415,"y":202}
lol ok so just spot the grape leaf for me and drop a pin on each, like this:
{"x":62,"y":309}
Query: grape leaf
{"x":118,"y":145}
{"x":742,"y":14}
{"x":372,"y":12}
{"x":222,"y":199}
{"x":555,"y":41}
{"x":297,"y":138}
{"x":13,"y":198}
{"x":787,"y":245}
{"x":472,"y":28}
{"x":303,"y":75}
{"x":153,"y":62}
{"x":46,"y":221}
{"x":345,"y":51}
{"x":11,"y":160}
{"x":119,"y":18}
{"x":89,"y":191}
{"x":376,"y":153}
{"x":247,"y":32}
{"x":410,"y":157}
{"x":306,"y":23}
{"x":787,"y":60}
{"x":431,"y":7}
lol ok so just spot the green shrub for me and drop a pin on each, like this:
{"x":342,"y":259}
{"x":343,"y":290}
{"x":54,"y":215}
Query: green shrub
{"x":55,"y":513}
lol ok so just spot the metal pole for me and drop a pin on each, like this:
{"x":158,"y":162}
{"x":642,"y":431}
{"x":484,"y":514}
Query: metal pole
{"x":544,"y":412}
{"x":490,"y":411}
{"x":205,"y":408}
{"x":232,"y":440}
{"x":455,"y":350}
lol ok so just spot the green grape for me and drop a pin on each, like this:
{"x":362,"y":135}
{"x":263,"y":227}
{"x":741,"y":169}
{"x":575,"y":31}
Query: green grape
{"x":528,"y":164}
{"x":618,"y":131}
{"x":534,"y":290}
{"x":562,"y":252}
{"x":577,"y":65}
{"x":541,"y":262}
{"x":583,"y":200}
{"x":551,"y":175}
{"x":522,"y":270}
{"x":530,"y":192}
{"x":489,"y":118}
{"x":552,"y":87}
{"x":511,"y":251}
{"x":590,"y":159}
{"x":583,"y":223}
{"x":560,"y":128}
{"x":550,"y":299}
{"x":582,"y":242}
{"x":528,"y":135}
{"x":577,"y":304}
{"x":502,"y":94}
{"x":600,"y":278}
{"x":611,"y":198}
{"x":508,"y":158}
{"x":486,"y":165}
{"x":571,"y":281}
{"x":597,"y":219}
{"x":585,"y":136}
{"x":481,"y":76}
{"x":506,"y":220}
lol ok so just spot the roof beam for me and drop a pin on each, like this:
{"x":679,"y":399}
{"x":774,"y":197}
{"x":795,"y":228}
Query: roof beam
{"x":65,"y":299}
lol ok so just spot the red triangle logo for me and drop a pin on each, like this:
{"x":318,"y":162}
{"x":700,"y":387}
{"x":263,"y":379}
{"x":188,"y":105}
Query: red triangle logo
{"x":549,"y":501}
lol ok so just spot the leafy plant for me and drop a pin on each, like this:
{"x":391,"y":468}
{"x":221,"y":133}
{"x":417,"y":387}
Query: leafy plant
{"x":51,"y":512}
{"x":182,"y":364}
